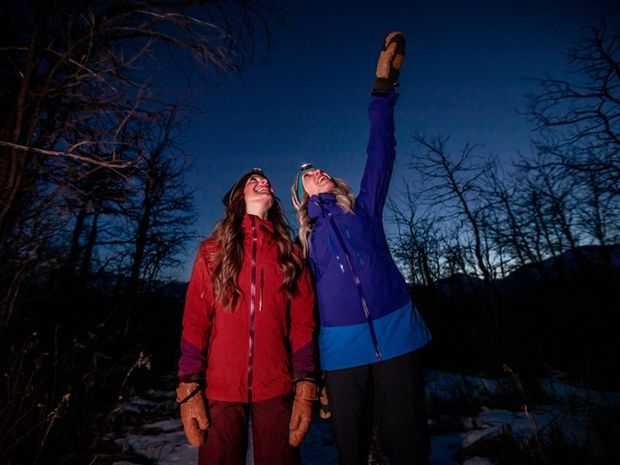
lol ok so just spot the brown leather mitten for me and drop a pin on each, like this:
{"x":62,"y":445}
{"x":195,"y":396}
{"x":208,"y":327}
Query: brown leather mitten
{"x":390,"y":60}
{"x":305,"y":394}
{"x":193,"y":412}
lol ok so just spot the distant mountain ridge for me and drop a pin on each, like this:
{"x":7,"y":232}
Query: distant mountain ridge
{"x":595,"y":261}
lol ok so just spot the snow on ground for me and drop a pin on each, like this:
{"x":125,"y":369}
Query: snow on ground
{"x":161,"y":436}
{"x":164,"y":440}
{"x":161,"y":439}
{"x":556,"y":388}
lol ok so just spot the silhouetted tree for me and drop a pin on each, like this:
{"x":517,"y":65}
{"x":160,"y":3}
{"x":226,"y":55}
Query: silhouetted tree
{"x":453,"y":188}
{"x":416,"y":243}
{"x":578,"y":123}
{"x":161,"y":214}
{"x":80,"y":115}
{"x":75,"y":77}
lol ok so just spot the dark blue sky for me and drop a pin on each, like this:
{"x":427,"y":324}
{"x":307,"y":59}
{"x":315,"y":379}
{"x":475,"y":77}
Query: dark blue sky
{"x":464,"y":76}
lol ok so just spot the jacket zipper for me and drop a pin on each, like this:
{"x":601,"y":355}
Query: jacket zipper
{"x":262,"y":287}
{"x":360,"y":291}
{"x":252,"y":310}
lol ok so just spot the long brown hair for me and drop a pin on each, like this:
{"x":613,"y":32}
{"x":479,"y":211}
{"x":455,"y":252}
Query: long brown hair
{"x":225,"y":262}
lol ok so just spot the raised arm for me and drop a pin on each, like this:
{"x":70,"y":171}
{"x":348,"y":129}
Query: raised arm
{"x":381,"y":153}
{"x":381,"y":150}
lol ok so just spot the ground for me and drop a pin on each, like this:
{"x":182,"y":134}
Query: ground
{"x":473,"y":421}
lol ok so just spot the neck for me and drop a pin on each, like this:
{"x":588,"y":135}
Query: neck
{"x":257,"y":210}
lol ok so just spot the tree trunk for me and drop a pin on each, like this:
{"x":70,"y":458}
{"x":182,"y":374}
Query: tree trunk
{"x":74,"y":249}
{"x":88,"y":248}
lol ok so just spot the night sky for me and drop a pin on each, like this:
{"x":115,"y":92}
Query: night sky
{"x":465,"y":76}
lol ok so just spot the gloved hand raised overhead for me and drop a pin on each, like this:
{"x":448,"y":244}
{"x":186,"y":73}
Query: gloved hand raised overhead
{"x":390,"y":60}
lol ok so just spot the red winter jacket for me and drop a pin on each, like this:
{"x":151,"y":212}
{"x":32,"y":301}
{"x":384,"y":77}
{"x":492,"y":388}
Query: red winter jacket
{"x":253,"y":352}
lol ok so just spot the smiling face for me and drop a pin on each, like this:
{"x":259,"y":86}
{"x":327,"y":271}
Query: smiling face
{"x":258,"y":194}
{"x":316,"y":181}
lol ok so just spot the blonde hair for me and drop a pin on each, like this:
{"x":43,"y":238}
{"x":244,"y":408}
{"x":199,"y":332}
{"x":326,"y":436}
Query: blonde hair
{"x":345,"y":200}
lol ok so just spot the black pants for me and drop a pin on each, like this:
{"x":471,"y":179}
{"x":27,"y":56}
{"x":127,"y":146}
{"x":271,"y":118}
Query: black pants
{"x":393,"y":391}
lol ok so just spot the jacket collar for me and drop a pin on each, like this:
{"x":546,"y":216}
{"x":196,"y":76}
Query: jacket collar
{"x":261,"y":225}
{"x":322,"y":205}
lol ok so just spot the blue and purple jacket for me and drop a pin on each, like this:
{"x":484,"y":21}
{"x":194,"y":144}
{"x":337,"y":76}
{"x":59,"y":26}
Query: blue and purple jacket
{"x":366,"y":313}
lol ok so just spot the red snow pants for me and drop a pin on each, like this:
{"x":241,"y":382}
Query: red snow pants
{"x":226,"y":439}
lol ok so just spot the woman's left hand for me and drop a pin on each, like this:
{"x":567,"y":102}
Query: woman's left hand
{"x":305,"y":395}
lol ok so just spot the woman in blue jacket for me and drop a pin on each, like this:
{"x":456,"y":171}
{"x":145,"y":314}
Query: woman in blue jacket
{"x":370,"y":332}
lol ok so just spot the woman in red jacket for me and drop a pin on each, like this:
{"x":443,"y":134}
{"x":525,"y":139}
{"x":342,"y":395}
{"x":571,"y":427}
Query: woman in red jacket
{"x":248,"y":332}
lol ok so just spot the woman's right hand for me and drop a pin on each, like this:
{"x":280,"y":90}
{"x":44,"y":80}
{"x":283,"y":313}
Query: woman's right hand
{"x":193,"y":412}
{"x":390,"y":60}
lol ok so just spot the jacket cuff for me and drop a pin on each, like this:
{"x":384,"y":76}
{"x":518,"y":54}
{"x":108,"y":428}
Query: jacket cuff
{"x":384,"y":84}
{"x":192,"y":378}
{"x":299,"y":375}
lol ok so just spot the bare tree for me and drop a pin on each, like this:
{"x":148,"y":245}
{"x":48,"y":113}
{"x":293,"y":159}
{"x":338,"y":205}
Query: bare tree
{"x":75,"y":78}
{"x":59,"y":54}
{"x":416,"y":243}
{"x":161,"y":215}
{"x":578,"y":123}
{"x":453,"y":186}
{"x":508,"y":224}
{"x":79,"y":112}
{"x":580,"y":119}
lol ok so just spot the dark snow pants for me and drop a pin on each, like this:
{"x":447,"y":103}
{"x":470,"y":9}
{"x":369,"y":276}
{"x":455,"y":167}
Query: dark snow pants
{"x":392,"y":391}
{"x":226,"y":438}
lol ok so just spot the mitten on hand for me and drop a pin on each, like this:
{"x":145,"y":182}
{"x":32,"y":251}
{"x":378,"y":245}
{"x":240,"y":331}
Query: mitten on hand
{"x":193,"y":412}
{"x":305,"y":394}
{"x":390,"y":60}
